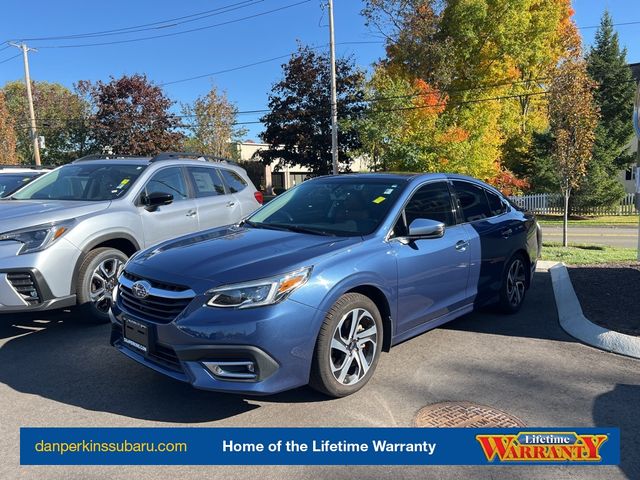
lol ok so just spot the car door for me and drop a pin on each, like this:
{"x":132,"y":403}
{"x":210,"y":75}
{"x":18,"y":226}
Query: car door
{"x":236,"y":187}
{"x":486,"y":214}
{"x":432,"y":273}
{"x":168,"y":221}
{"x":216,"y":205}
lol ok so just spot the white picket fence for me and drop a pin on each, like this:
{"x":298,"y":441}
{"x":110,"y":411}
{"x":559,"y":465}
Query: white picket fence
{"x":551,"y":203}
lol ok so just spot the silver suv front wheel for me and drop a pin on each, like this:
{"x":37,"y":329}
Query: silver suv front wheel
{"x":97,"y":277}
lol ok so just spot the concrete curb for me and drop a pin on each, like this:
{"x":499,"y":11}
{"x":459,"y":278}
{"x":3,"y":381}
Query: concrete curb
{"x":573,"y":321}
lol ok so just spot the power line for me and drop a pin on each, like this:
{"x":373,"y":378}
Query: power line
{"x":10,"y":58}
{"x":171,"y":22}
{"x":253,"y":64}
{"x":152,"y":37}
{"x":47,"y":121}
{"x":613,"y":25}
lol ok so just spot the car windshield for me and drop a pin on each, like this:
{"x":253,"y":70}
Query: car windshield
{"x":83,"y":181}
{"x":9,"y":183}
{"x":340,"y":206}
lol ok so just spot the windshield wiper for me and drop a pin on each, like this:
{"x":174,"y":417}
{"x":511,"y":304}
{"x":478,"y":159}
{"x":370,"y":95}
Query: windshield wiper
{"x":268,"y":226}
{"x":287,"y":228}
{"x":298,"y":229}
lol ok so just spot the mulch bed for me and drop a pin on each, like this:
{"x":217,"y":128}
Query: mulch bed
{"x":609,"y":295}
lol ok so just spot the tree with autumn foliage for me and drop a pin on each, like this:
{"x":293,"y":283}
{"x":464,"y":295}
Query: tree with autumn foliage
{"x":7,"y":135}
{"x":131,"y":116}
{"x":491,"y":60}
{"x":573,"y":120}
{"x":211,"y":121}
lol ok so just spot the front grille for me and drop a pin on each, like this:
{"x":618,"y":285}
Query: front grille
{"x":158,"y":308}
{"x":25,"y":284}
{"x":170,"y":287}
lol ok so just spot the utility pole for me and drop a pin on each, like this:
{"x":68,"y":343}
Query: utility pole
{"x":32,"y":115}
{"x":334,"y":100}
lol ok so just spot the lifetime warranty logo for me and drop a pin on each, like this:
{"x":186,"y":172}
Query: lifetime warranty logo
{"x":542,"y":446}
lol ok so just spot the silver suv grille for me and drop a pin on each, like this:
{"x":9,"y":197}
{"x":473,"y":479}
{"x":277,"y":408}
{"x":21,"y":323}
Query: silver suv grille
{"x":163,"y":303}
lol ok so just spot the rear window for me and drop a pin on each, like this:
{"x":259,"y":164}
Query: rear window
{"x":206,"y":181}
{"x":496,"y":205}
{"x":233,"y":180}
{"x":473,"y":201}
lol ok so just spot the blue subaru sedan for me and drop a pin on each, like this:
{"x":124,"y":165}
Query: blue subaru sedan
{"x":312,"y":287}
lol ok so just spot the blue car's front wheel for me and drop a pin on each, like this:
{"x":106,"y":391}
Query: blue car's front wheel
{"x":348,"y":346}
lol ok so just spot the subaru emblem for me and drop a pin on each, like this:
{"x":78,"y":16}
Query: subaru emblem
{"x":141,"y":289}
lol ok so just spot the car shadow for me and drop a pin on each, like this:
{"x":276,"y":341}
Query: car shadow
{"x":607,"y":413}
{"x":58,"y":357}
{"x":538,"y":317}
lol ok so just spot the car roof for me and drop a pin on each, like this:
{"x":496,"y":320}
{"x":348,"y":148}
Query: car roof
{"x":403,"y":177}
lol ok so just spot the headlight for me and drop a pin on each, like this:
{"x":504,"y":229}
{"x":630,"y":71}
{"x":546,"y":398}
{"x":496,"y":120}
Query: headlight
{"x":259,"y":292}
{"x":35,"y":239}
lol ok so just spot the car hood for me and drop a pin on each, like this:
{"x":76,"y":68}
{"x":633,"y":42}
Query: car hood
{"x":234,"y":254}
{"x":16,"y":214}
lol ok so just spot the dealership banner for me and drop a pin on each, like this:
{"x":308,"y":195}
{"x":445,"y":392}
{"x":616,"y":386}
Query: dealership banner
{"x":320,"y":446}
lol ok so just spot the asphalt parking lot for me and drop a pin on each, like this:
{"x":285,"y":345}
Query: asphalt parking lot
{"x":55,"y":371}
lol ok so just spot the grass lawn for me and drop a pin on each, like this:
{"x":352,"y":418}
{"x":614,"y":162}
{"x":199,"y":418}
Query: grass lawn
{"x":576,"y":254}
{"x":615,"y":220}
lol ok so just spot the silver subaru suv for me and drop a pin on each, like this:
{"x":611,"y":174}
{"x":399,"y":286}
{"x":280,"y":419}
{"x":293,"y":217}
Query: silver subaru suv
{"x":65,"y":236}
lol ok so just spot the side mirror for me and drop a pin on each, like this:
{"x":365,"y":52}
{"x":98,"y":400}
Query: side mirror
{"x":156,"y":199}
{"x":424,"y":228}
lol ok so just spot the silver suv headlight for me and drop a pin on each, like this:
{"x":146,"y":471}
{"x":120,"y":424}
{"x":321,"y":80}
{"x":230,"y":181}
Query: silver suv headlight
{"x":39,"y":237}
{"x":258,"y":293}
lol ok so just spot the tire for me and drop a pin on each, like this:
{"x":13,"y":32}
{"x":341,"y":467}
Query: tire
{"x":514,"y":285}
{"x":99,"y":270}
{"x":342,"y":352}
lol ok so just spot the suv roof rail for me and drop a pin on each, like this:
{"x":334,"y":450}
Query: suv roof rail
{"x":105,"y":156}
{"x":190,"y":155}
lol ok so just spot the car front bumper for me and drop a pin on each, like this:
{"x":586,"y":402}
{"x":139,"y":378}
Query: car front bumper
{"x":36,"y":281}
{"x":278,"y":341}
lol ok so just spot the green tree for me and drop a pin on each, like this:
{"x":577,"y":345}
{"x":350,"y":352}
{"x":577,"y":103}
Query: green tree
{"x":211,"y":121}
{"x":574,"y":117}
{"x":614,"y":94}
{"x":7,"y":135}
{"x":61,"y":117}
{"x":298,"y":125}
{"x":131,"y":116}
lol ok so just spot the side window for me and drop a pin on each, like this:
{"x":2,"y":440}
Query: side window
{"x":206,"y":181}
{"x":233,"y":180}
{"x":496,"y":204}
{"x":169,"y":180}
{"x":473,"y":201}
{"x":432,"y":201}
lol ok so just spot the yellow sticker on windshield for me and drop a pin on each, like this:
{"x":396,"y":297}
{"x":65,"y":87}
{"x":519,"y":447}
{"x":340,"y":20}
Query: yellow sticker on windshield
{"x":379,"y":200}
{"x":123,"y":183}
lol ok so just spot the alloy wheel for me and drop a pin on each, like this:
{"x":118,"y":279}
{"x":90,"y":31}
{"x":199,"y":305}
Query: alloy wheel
{"x":353,"y":346}
{"x":516,"y":282}
{"x":103,"y":280}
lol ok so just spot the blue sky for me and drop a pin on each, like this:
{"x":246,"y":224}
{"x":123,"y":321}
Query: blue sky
{"x":213,"y":49}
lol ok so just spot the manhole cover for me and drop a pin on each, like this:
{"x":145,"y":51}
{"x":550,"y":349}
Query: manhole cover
{"x":464,"y":414}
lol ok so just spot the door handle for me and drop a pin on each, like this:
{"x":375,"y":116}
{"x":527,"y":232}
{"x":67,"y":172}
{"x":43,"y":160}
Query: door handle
{"x":230,"y":204}
{"x":462,"y":245}
{"x":191,"y":213}
{"x":506,"y":233}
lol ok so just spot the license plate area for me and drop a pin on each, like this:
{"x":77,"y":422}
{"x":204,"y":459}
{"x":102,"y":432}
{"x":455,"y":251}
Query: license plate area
{"x":136,"y":335}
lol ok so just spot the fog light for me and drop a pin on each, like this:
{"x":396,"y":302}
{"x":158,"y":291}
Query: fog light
{"x":235,"y":370}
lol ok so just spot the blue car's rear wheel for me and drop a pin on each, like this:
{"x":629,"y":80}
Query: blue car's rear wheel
{"x":348,"y":346}
{"x":514,"y":285}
